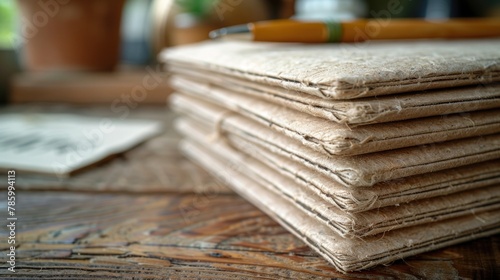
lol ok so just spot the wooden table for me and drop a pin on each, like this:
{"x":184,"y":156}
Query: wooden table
{"x":150,"y":213}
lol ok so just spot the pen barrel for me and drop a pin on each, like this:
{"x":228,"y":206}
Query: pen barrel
{"x":373,"y":29}
{"x":380,"y":29}
{"x":289,"y":31}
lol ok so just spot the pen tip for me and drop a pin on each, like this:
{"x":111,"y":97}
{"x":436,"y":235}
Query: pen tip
{"x":214,"y":34}
{"x":218,"y":33}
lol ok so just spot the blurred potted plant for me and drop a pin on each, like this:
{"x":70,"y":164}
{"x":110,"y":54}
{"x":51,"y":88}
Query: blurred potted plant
{"x":70,"y":35}
{"x":178,"y":22}
{"x":8,"y":62}
{"x":192,"y":22}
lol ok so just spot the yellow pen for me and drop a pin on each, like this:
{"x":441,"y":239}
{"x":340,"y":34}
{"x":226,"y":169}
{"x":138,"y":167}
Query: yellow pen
{"x":361,"y":30}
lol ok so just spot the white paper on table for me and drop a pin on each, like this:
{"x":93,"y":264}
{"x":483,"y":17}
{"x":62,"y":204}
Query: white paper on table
{"x":62,"y":143}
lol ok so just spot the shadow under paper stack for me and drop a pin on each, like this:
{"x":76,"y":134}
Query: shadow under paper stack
{"x":369,"y":152}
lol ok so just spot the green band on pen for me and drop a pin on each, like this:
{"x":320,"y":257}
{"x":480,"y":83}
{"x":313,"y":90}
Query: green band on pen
{"x":334,"y":31}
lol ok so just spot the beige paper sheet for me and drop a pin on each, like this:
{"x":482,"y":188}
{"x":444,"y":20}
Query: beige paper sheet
{"x":345,"y":71}
{"x":355,"y":112}
{"x":369,"y":169}
{"x":339,"y":139}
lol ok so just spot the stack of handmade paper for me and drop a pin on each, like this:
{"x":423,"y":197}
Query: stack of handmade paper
{"x":369,"y":153}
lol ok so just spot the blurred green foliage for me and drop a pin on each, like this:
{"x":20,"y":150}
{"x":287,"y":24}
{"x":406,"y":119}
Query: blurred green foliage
{"x":7,"y":22}
{"x":198,"y":8}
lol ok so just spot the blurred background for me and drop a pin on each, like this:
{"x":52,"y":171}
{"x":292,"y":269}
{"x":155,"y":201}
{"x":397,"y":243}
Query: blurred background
{"x":91,"y":51}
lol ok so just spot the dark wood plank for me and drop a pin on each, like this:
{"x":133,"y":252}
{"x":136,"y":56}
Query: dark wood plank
{"x":207,"y":236}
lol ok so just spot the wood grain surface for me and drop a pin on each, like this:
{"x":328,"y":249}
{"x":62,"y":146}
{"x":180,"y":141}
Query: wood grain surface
{"x":122,"y":220}
{"x":188,"y":236}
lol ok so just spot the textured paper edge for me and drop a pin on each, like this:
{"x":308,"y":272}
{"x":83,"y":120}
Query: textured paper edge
{"x":319,"y":238}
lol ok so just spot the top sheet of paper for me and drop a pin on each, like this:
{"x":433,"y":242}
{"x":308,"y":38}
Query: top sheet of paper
{"x":59,"y":144}
{"x":345,"y":71}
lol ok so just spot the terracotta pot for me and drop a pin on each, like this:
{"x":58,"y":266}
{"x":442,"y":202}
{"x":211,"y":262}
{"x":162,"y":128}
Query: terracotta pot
{"x":62,"y":35}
